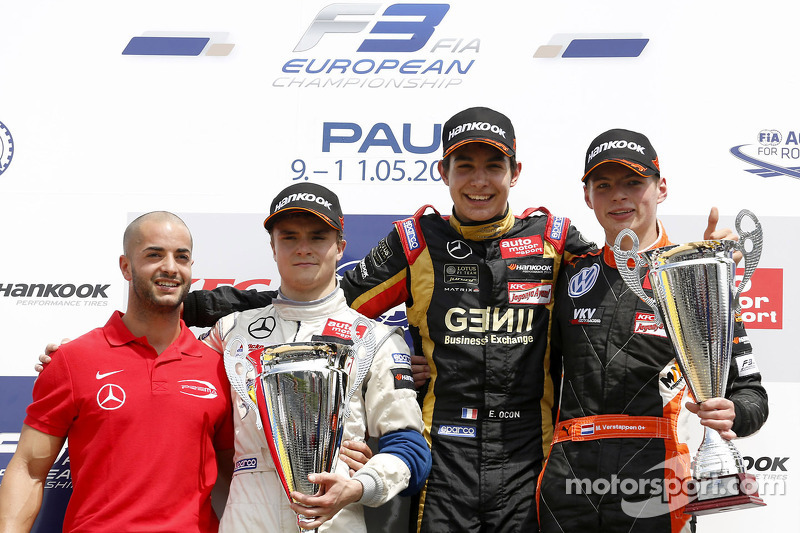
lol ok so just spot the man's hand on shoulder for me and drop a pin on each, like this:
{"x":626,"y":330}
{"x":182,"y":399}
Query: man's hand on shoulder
{"x":44,"y":358}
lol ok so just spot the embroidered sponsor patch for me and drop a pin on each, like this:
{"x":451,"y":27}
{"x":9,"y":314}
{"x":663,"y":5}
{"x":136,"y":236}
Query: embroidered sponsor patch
{"x":469,"y":414}
{"x":583,"y":281}
{"x":671,"y":377}
{"x":645,"y":323}
{"x":557,"y":228}
{"x":335,"y":328}
{"x":381,"y":253}
{"x":587,"y":316}
{"x":410,"y":234}
{"x":454,"y":273}
{"x":403,"y":379}
{"x":457,"y":431}
{"x":542,"y":270}
{"x":747,"y":365}
{"x":530,"y":293}
{"x":245,"y":464}
{"x":401,"y":358}
{"x":521,"y":247}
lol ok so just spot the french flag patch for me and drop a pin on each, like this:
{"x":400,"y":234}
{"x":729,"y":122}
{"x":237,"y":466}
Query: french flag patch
{"x":587,"y":429}
{"x":469,"y":414}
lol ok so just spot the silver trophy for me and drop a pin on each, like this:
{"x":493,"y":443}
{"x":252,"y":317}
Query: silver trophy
{"x":304,"y":399}
{"x":695,"y":297}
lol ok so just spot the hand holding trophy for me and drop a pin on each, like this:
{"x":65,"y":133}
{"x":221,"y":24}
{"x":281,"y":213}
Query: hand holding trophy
{"x":695,"y":297}
{"x":303,"y":399}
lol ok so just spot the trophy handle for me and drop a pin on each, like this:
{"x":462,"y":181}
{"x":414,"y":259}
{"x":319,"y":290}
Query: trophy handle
{"x":237,"y":367}
{"x":631,"y":275}
{"x":364,"y":348}
{"x":752,"y":257}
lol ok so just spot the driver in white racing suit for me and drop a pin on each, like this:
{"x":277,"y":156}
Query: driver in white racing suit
{"x":305,"y":225}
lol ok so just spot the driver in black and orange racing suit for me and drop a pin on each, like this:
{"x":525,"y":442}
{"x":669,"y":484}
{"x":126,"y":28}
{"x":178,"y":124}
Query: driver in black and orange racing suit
{"x":619,"y":460}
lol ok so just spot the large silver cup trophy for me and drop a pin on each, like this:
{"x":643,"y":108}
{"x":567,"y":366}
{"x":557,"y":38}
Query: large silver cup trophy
{"x":695,"y":297}
{"x":304,"y":396}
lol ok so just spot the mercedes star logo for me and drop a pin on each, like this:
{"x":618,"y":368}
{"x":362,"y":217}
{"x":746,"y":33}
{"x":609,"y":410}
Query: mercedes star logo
{"x":110,"y":397}
{"x":458,"y":249}
{"x":262,"y":328}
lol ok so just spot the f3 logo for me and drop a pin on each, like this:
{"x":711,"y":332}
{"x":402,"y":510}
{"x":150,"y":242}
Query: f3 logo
{"x":328,"y":21}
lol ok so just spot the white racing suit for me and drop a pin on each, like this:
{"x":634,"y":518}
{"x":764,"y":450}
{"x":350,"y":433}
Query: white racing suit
{"x":385,"y":406}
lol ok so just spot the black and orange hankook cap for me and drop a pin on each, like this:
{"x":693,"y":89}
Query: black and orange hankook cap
{"x":624,"y":147}
{"x":311,"y":198}
{"x":479,"y":124}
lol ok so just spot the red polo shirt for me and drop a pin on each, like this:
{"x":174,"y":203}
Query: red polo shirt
{"x":142,"y":429}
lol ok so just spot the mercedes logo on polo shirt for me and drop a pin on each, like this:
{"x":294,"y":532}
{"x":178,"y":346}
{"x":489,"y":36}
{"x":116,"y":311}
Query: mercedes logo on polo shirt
{"x":110,"y":397}
{"x":261,"y":328}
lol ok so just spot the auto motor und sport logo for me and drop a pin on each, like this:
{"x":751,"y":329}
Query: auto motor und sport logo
{"x":6,"y":148}
{"x":775,"y":153}
{"x":366,"y":45}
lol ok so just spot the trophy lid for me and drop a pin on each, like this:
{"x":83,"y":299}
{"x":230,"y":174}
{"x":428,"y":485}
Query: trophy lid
{"x":292,"y":352}
{"x":697,"y":250}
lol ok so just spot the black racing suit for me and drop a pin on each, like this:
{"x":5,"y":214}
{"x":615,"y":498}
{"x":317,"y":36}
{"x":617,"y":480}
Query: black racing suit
{"x":479,"y":301}
{"x":618,"y":362}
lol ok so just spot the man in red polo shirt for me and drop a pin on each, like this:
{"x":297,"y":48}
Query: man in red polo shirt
{"x":144,"y":404}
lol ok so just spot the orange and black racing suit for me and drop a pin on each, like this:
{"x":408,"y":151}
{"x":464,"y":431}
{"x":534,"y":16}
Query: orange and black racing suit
{"x":619,"y":461}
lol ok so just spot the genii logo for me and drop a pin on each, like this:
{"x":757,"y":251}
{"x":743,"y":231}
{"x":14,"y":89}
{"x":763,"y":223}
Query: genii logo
{"x":408,"y":26}
{"x":583,"y":281}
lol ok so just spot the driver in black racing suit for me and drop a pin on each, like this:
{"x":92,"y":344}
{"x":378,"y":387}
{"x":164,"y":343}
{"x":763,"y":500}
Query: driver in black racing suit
{"x":478,"y":288}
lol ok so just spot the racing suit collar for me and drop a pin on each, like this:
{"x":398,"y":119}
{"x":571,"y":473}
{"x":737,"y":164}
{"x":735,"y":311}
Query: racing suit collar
{"x":295,"y":310}
{"x":483,"y":231}
{"x":661,"y":240}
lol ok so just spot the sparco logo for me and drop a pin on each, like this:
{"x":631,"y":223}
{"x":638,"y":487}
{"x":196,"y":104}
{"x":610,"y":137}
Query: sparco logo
{"x":411,"y":234}
{"x":557,"y":229}
{"x":53,"y":290}
{"x":245,"y":464}
{"x":616,"y":144}
{"x":476,"y":126}
{"x":457,"y":431}
{"x":304,"y":197}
